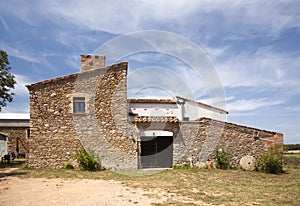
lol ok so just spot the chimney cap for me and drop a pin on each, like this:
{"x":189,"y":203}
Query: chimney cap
{"x":91,"y":61}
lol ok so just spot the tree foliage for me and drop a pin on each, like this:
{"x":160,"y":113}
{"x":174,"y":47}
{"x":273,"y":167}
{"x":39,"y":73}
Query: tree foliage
{"x":7,"y":80}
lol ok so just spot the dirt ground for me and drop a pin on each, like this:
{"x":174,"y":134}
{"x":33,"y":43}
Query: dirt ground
{"x":40,"y":191}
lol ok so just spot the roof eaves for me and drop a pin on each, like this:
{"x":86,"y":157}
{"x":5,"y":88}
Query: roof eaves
{"x":202,"y":104}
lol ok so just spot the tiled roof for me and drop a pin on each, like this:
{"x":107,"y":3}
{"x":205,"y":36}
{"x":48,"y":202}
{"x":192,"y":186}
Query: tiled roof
{"x":153,"y":101}
{"x":140,"y":119}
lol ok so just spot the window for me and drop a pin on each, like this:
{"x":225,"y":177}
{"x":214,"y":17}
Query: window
{"x":78,"y":104}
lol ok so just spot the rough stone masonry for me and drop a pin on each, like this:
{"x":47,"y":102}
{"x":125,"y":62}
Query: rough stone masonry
{"x":56,"y":132}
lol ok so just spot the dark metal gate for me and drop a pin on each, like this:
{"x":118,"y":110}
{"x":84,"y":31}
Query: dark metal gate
{"x":156,"y":152}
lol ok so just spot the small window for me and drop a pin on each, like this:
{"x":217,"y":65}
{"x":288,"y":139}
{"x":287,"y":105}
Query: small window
{"x":79,"y":105}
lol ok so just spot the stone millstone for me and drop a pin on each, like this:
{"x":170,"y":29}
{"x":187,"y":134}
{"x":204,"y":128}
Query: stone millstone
{"x":247,"y":162}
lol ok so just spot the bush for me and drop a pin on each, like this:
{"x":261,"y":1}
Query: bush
{"x":86,"y":159}
{"x":271,"y":162}
{"x":68,"y":165}
{"x":222,"y":159}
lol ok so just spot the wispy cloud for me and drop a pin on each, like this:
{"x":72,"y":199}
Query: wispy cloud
{"x":15,"y":52}
{"x":239,"y":18}
{"x":251,"y":104}
{"x":264,"y":70}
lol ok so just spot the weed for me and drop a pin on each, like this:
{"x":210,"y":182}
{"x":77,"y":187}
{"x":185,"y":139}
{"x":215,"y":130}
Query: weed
{"x":86,"y":159}
{"x":222,"y":159}
{"x":68,"y":165}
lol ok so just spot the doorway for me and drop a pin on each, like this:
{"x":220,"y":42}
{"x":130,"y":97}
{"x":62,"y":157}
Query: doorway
{"x":3,"y":148}
{"x":156,"y":152}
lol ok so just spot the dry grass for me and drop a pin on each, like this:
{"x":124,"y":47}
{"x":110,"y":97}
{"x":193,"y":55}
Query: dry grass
{"x":195,"y":186}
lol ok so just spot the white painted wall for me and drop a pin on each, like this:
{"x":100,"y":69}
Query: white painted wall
{"x":188,"y":111}
{"x":155,"y":133}
{"x":145,"y":109}
{"x":193,"y":111}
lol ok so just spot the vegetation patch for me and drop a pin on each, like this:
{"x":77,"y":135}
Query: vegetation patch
{"x":193,"y":186}
{"x":68,"y":166}
{"x":222,"y":159}
{"x":86,"y":159}
{"x":271,"y":162}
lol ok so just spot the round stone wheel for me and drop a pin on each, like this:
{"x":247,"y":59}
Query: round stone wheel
{"x":248,"y":162}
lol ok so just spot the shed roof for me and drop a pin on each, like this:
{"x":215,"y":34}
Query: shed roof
{"x":203,"y":105}
{"x":152,"y":101}
{"x":140,"y":119}
{"x":14,"y":120}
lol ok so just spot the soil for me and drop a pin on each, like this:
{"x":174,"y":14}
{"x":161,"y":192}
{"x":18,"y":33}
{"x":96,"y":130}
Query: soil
{"x":40,"y":191}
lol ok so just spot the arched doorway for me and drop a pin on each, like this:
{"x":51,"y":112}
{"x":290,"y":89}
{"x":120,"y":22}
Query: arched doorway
{"x":3,"y":145}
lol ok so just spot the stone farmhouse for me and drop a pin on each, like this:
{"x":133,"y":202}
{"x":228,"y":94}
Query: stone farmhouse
{"x":91,"y":108}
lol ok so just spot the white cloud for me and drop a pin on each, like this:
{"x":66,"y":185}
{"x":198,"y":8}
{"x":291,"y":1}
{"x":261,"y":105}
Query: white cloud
{"x":20,"y":89}
{"x":251,"y":104}
{"x":238,"y":18}
{"x":264,"y":70}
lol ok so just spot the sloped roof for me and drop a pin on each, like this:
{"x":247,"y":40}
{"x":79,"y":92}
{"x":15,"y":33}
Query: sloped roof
{"x":140,"y":119}
{"x":152,"y":101}
{"x":74,"y":75}
{"x":14,"y":116}
{"x":14,"y":120}
{"x":204,"y":105}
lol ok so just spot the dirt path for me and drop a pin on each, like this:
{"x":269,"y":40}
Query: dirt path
{"x":39,"y":191}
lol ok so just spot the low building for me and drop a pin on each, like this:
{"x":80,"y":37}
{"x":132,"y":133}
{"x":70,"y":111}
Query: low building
{"x":14,"y":133}
{"x":91,"y":108}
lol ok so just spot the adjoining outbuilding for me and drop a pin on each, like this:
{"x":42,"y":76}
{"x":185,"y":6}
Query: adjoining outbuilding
{"x":14,"y":134}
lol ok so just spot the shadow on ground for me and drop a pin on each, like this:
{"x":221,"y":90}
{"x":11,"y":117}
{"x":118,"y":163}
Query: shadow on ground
{"x":10,"y":169}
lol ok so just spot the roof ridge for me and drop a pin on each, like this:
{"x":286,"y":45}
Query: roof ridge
{"x":72,"y":75}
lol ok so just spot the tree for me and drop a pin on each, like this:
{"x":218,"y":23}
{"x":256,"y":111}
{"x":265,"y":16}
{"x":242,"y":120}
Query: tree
{"x":7,"y":80}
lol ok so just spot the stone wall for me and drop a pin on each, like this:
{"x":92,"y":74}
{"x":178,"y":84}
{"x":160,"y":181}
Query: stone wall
{"x":53,"y":137}
{"x":104,"y":128}
{"x":12,"y":133}
{"x":200,"y":139}
{"x":56,"y":132}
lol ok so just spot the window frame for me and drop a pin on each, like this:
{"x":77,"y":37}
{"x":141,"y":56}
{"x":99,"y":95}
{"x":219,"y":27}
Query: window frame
{"x":79,"y":105}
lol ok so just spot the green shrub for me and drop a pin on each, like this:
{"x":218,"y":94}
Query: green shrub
{"x":68,"y":165}
{"x":86,"y":159}
{"x":271,"y":162}
{"x":222,"y":159}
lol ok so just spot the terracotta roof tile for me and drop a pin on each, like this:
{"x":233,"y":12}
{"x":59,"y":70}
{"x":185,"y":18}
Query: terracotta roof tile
{"x":140,"y":119}
{"x":153,"y":101}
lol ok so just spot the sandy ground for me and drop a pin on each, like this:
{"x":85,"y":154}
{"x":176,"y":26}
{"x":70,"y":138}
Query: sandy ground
{"x":39,"y":191}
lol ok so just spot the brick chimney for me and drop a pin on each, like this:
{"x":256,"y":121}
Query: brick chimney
{"x":90,"y":62}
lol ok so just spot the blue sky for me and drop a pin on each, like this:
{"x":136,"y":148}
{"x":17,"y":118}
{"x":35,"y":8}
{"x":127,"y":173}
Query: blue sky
{"x":253,"y":45}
